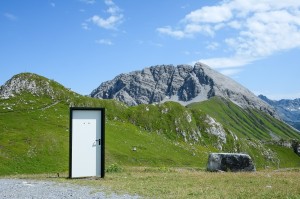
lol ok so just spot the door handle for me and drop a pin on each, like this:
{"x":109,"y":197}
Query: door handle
{"x":99,"y":140}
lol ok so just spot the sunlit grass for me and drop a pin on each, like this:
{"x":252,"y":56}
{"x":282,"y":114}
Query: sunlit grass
{"x":161,"y":182}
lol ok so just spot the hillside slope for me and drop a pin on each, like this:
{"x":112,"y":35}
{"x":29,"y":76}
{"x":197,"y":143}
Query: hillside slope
{"x":34,"y":136}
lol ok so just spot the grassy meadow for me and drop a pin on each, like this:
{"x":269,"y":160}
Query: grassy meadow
{"x":166,"y":182}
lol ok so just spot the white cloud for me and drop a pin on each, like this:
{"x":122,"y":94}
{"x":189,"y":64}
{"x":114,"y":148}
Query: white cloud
{"x":265,"y":34}
{"x":108,"y":23}
{"x":235,"y":24}
{"x":209,"y":14}
{"x":10,"y":16}
{"x":104,"y":42}
{"x":199,"y":21}
{"x":254,"y":29}
{"x":114,"y":19}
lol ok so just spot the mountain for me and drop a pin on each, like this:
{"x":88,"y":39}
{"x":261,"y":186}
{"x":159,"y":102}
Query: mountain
{"x":183,"y":84}
{"x":288,"y":110}
{"x":34,"y":135}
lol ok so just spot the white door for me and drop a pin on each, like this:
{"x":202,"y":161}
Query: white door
{"x":86,"y":127}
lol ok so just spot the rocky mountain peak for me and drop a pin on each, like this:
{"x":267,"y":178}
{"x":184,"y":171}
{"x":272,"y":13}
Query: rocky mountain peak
{"x":288,"y":110}
{"x":184,"y":84}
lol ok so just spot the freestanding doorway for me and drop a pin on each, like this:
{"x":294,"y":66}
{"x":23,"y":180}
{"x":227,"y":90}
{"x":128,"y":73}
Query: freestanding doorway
{"x":87,"y":131}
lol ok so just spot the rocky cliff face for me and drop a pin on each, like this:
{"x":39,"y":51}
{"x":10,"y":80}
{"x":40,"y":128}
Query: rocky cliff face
{"x":184,"y":84}
{"x":287,"y":110}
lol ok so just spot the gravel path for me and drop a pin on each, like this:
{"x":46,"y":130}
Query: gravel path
{"x":25,"y":189}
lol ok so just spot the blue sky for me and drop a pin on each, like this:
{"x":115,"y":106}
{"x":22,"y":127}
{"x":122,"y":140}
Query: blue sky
{"x":82,"y":43}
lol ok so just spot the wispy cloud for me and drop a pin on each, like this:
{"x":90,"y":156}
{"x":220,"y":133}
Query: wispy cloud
{"x":185,"y":6}
{"x":213,"y":46}
{"x":188,"y":31}
{"x":258,"y":28}
{"x":186,"y":52}
{"x":88,"y":1}
{"x":159,"y":45}
{"x":85,"y":26}
{"x":178,"y":34}
{"x":151,"y":43}
{"x":10,"y":16}
{"x":104,"y":42}
{"x":226,"y":62}
{"x":52,"y":4}
{"x":230,"y":72}
{"x":114,"y":19}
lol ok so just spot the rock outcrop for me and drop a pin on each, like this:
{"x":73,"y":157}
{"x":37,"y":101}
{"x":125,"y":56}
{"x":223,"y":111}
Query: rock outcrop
{"x":35,"y":85}
{"x":230,"y":162}
{"x":25,"y":82}
{"x":184,"y":84}
{"x":215,"y":128}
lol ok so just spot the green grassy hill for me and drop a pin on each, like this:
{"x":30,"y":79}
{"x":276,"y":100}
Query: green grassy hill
{"x":34,"y":135}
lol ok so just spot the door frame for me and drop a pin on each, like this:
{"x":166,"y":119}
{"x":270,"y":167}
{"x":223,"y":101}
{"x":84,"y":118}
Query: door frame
{"x":102,"y":133}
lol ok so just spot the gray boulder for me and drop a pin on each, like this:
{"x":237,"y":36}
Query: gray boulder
{"x":296,"y":147}
{"x":230,"y":162}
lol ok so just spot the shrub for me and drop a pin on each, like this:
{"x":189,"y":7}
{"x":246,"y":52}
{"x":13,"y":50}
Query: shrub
{"x":114,"y":168}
